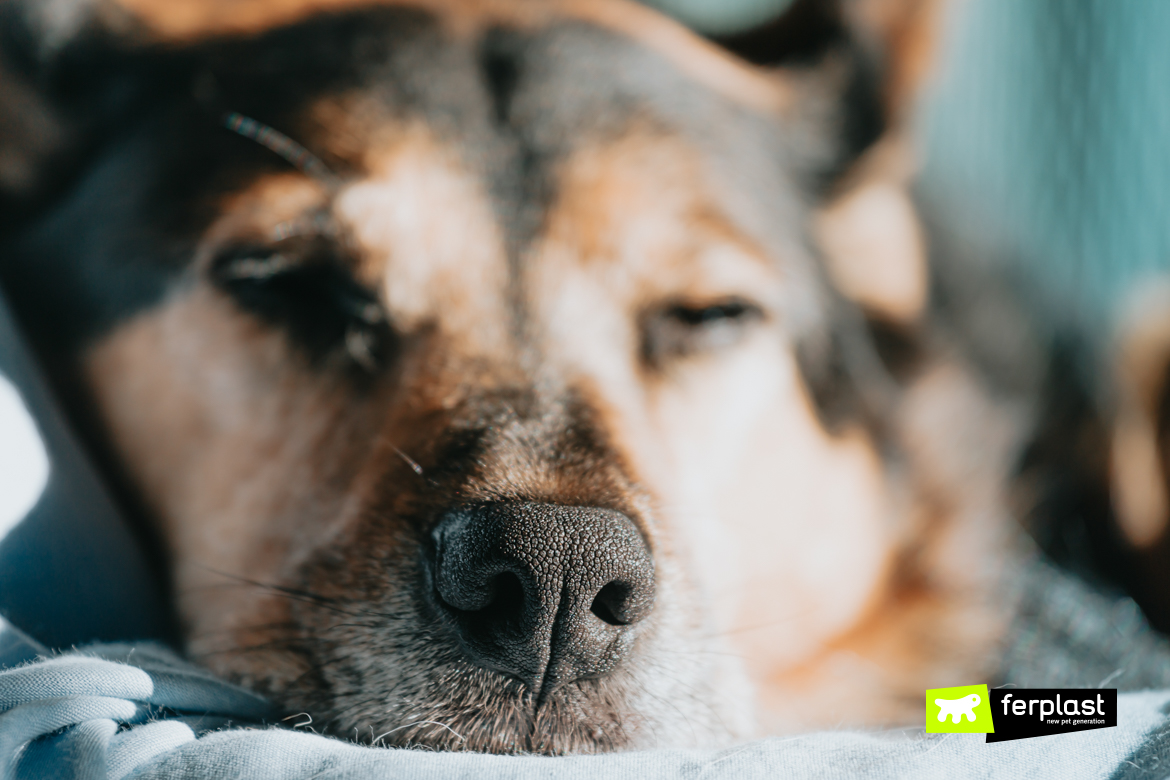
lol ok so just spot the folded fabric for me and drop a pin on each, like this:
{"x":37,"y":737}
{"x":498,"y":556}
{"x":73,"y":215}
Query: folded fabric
{"x":106,"y":710}
{"x":138,"y":711}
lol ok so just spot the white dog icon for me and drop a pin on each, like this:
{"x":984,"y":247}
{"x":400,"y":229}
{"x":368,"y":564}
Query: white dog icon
{"x":957,"y":708}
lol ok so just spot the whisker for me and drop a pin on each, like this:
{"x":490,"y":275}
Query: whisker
{"x":284,"y":624}
{"x":276,"y":644}
{"x":278,"y":142}
{"x":295,"y":594}
{"x":697,"y":652}
{"x":792,"y":617}
{"x":308,"y":722}
{"x":668,"y":703}
{"x":692,"y":693}
{"x":409,"y":461}
{"x":418,"y":723}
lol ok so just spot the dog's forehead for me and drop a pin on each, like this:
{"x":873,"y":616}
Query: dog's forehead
{"x":634,"y":219}
{"x":573,"y":72}
{"x":634,"y":216}
{"x":186,"y":20}
{"x":477,"y":155}
{"x":428,"y":237}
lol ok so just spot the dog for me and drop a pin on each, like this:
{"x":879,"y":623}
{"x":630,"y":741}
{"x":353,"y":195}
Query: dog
{"x":515,"y":376}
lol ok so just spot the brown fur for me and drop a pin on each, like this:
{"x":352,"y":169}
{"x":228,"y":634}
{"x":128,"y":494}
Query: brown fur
{"x":801,"y":563}
{"x":194,"y":19}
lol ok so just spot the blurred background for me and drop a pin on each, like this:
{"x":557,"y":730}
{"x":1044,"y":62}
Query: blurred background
{"x":1044,"y":138}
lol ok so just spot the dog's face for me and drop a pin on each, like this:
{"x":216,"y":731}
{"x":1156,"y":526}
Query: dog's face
{"x":534,"y":424}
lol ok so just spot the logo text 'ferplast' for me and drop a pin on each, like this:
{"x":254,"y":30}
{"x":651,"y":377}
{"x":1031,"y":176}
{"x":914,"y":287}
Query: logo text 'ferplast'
{"x":1020,"y":713}
{"x":1039,"y":712}
{"x":1045,"y":707}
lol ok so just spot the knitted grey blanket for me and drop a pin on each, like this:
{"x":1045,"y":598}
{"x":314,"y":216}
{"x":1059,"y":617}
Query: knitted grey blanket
{"x":122,"y":711}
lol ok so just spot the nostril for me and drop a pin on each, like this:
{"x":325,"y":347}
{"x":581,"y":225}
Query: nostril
{"x":609,"y":604}
{"x":544,"y":593}
{"x":501,"y":597}
{"x":507,"y":598}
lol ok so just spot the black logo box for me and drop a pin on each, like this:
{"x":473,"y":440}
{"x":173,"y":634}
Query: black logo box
{"x":1020,"y":713}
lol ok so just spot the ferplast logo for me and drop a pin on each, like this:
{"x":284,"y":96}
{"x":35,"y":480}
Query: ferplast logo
{"x":1019,"y":713}
{"x":1022,"y":713}
{"x":965,"y":709}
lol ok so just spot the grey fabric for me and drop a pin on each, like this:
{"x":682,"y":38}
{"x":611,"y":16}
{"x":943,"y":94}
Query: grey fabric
{"x":115,"y":711}
{"x":67,"y":715}
{"x":1065,"y":635}
{"x":907,"y":754}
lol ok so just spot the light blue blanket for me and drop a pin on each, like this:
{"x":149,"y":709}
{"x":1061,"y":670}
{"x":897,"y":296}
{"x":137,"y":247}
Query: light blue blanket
{"x":123,"y":711}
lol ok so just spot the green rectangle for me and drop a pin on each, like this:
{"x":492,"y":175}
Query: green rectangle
{"x":965,"y":709}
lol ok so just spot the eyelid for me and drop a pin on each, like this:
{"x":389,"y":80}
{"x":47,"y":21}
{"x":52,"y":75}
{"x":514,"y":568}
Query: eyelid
{"x":259,"y":268}
{"x":307,"y":288}
{"x":682,"y":327}
{"x":267,"y":260}
{"x":733,"y":306}
{"x":319,"y":223}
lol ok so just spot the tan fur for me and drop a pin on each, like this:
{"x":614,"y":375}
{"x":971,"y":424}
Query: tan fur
{"x":433,"y":266}
{"x":257,"y":213}
{"x":754,"y":482}
{"x":1139,"y":472}
{"x":875,"y":250}
{"x":752,"y":497}
{"x":184,"y":20}
{"x":798,"y":568}
{"x":214,"y":444}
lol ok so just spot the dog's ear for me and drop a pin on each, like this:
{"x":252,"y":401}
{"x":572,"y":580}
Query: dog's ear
{"x":874,"y":55}
{"x":70,"y":70}
{"x":1140,"y":451}
{"x":870,"y":57}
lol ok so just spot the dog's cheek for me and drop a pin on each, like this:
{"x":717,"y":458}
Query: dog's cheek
{"x":779,"y":497}
{"x":230,"y":442}
{"x":1139,"y":469}
{"x":939,"y":608}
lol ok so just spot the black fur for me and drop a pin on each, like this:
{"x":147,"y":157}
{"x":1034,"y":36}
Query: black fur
{"x":120,"y":207}
{"x":805,"y":36}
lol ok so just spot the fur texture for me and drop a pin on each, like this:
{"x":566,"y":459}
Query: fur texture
{"x":573,"y":255}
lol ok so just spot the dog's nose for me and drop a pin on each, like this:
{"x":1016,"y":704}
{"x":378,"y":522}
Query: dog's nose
{"x":545,"y":593}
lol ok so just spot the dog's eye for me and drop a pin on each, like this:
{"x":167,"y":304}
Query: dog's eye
{"x":682,"y":329}
{"x":303,"y":289}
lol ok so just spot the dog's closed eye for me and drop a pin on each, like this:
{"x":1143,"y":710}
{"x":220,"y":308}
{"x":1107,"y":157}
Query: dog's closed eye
{"x":682,"y":329}
{"x":301,"y":286}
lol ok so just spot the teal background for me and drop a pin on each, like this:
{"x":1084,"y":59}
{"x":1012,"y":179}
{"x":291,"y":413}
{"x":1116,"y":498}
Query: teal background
{"x":720,"y":16}
{"x":1046,"y":141}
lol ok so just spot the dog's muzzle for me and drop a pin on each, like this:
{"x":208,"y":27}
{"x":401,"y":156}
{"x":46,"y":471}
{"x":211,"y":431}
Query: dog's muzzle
{"x":543,"y":593}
